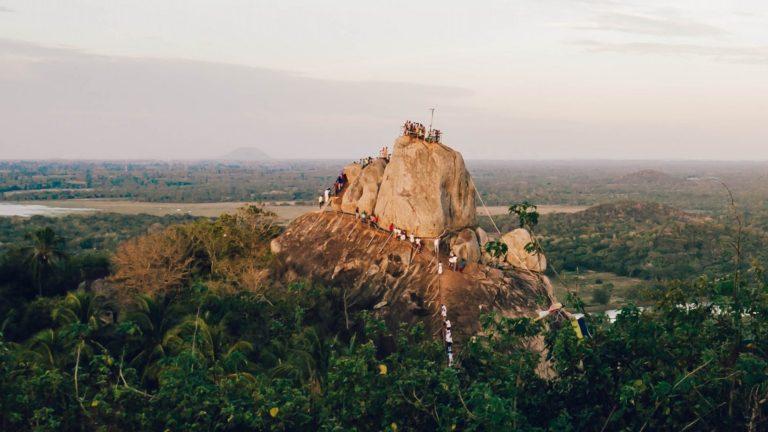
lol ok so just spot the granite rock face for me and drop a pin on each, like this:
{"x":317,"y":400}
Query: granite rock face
{"x":364,"y":189}
{"x":399,"y":285}
{"x":352,"y":171}
{"x":426,"y":189}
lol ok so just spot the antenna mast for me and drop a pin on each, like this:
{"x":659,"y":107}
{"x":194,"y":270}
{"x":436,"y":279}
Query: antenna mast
{"x":431,"y":118}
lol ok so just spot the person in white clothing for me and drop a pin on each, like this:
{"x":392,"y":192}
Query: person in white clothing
{"x":452,"y":261}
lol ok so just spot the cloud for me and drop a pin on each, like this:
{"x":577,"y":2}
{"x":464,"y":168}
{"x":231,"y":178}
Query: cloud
{"x":65,"y":103}
{"x":5,"y":9}
{"x":648,"y":25}
{"x":731,"y":54}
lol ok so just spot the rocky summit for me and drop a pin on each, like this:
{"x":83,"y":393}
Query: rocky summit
{"x":426,"y":189}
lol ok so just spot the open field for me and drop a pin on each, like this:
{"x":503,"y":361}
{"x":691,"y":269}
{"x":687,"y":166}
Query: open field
{"x":286,"y":210}
{"x":623,"y":289}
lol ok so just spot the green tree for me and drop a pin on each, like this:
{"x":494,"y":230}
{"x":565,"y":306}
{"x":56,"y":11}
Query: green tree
{"x":496,"y":248}
{"x":601,"y":295}
{"x":526,"y":213}
{"x":45,"y":253}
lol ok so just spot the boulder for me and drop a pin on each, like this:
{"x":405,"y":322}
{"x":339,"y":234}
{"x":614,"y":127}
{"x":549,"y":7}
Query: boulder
{"x":482,"y":237}
{"x":465,"y":246}
{"x":275,"y":247}
{"x":364,"y":189}
{"x":426,"y":189}
{"x":516,"y":241}
{"x":352,"y":171}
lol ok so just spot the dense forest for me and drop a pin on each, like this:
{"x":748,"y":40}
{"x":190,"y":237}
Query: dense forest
{"x":190,"y":326}
{"x":99,"y":231}
{"x":643,"y":239}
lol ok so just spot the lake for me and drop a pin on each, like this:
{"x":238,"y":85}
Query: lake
{"x":28,"y":210}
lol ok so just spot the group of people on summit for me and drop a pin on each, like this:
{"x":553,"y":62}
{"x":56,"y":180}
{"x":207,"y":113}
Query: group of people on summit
{"x":419,"y":131}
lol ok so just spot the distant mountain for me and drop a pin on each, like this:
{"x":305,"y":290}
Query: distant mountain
{"x":246,"y":154}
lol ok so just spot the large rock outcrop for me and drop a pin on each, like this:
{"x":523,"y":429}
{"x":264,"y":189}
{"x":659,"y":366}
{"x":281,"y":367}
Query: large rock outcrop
{"x":426,"y":189}
{"x":364,"y":189}
{"x":386,"y":276}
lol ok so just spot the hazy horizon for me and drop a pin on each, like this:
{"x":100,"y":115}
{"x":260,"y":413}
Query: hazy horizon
{"x":532,"y":81}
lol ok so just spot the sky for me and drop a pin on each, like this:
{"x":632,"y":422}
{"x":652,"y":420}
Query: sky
{"x":524,"y":79}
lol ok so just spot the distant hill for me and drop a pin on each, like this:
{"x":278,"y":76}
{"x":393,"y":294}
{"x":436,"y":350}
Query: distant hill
{"x":638,"y":212}
{"x":246,"y":154}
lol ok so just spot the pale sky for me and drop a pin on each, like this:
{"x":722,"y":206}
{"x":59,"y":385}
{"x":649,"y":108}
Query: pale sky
{"x":525,"y":79}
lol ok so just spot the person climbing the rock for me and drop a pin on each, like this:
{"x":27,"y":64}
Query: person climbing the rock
{"x":462,"y":265}
{"x":357,"y":213}
{"x":344,"y":177}
{"x":363,"y":215}
{"x":443,"y":311}
{"x":418,"y":245}
{"x":327,"y":194}
{"x":391,"y":227}
{"x":412,"y":238}
{"x":439,"y":268}
{"x":452,"y":261}
{"x":320,"y":201}
{"x":403,"y":235}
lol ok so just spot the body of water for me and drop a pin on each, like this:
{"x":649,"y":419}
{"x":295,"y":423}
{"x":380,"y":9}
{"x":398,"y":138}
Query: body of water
{"x":27,"y":210}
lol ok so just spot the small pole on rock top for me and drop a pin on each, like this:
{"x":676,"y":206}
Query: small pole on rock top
{"x":431,"y":118}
